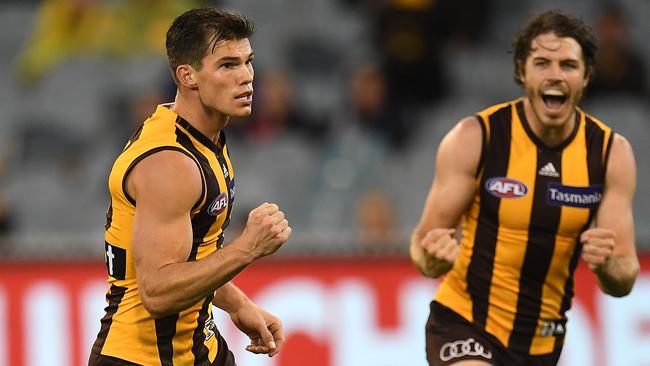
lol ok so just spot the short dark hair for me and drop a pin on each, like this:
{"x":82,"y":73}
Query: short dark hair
{"x":198,"y":31}
{"x":563,"y":25}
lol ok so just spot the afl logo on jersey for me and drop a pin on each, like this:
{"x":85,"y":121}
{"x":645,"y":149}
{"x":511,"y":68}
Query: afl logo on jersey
{"x":504,"y":187}
{"x":218,"y":205}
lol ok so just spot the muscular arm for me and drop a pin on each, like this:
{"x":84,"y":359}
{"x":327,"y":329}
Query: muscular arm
{"x":229,"y":298}
{"x":166,"y":185}
{"x":450,"y":195}
{"x":609,"y":248}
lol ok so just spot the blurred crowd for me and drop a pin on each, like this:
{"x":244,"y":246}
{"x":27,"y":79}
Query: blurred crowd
{"x":351,"y":98}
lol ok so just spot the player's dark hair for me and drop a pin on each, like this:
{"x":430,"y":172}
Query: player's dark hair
{"x":563,"y":25}
{"x":198,"y":31}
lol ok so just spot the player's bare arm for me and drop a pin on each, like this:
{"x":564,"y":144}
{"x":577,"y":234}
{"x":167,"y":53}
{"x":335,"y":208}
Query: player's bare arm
{"x":609,"y":248}
{"x":433,"y":246}
{"x":263,"y":328}
{"x":166,"y":185}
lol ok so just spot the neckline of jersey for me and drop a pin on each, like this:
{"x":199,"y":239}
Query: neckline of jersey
{"x":519,"y":106}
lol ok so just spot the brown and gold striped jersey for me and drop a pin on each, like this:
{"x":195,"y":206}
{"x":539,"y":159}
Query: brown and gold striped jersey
{"x":128,"y":331}
{"x":520,"y":237}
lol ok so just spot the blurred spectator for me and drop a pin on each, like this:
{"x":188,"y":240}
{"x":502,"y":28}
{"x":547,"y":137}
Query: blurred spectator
{"x":410,"y":36}
{"x":373,"y":110}
{"x":410,"y":47}
{"x":68,"y":28}
{"x":356,"y":149}
{"x":126,"y":110}
{"x":376,"y":223}
{"x":620,"y":68}
{"x":275,"y":113}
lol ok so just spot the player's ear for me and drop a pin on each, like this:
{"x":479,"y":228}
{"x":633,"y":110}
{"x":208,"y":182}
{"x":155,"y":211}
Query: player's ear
{"x":186,"y":76}
{"x":587,"y":79}
{"x":520,"y":71}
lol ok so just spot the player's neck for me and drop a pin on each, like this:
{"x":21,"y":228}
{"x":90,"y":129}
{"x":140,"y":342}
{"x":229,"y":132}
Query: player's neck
{"x":551,"y":134}
{"x":206,"y":121}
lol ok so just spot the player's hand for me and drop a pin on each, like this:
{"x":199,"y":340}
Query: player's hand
{"x":439,"y":247}
{"x":597,"y":247}
{"x":263,"y":328}
{"x":266,"y":230}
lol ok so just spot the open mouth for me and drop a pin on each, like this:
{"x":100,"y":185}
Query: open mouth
{"x":245,"y":96}
{"x":554,"y":99}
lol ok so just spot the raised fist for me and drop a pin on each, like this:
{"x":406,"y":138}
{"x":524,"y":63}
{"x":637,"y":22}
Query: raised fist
{"x":266,"y":230}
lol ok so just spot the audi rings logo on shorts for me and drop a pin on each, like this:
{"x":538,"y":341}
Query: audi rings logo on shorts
{"x":467,"y":347}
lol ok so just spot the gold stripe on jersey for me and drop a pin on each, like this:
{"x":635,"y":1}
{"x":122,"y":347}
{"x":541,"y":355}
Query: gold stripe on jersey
{"x":514,"y":273}
{"x":509,"y":251}
{"x":128,"y":331}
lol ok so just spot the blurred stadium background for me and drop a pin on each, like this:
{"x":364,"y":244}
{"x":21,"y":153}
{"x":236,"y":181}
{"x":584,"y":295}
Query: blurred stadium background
{"x":351,"y":99}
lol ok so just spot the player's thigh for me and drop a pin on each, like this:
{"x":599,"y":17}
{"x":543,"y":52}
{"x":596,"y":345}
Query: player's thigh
{"x":451,"y":340}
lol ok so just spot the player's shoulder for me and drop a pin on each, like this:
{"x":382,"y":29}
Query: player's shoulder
{"x":463,"y":144}
{"x":168,"y":163}
{"x":621,"y":147}
{"x":469,"y":124}
{"x":467,"y":131}
{"x":166,"y":173}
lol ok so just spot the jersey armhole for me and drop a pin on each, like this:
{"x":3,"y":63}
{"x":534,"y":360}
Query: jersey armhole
{"x":153,"y":151}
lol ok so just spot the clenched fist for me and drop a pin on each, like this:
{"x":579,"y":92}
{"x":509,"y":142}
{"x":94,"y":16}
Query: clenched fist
{"x":440,"y":250}
{"x":266,"y":230}
{"x":597,"y":246}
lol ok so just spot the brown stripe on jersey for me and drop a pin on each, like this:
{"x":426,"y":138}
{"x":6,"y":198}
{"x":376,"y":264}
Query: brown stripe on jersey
{"x":481,"y":160}
{"x":114,"y":298}
{"x":202,"y":221}
{"x":557,"y":348}
{"x":595,"y":138}
{"x":220,"y":241}
{"x":228,"y":179}
{"x":610,"y":140}
{"x":199,"y":350}
{"x":109,"y":216}
{"x":544,"y":222}
{"x":479,"y":272}
{"x":194,"y":251}
{"x":596,"y":167}
{"x":568,"y":286}
{"x":165,"y":331}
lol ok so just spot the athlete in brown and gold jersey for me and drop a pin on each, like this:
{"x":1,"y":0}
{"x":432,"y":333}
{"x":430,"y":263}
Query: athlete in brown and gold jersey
{"x":532,"y":183}
{"x":172,"y":191}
